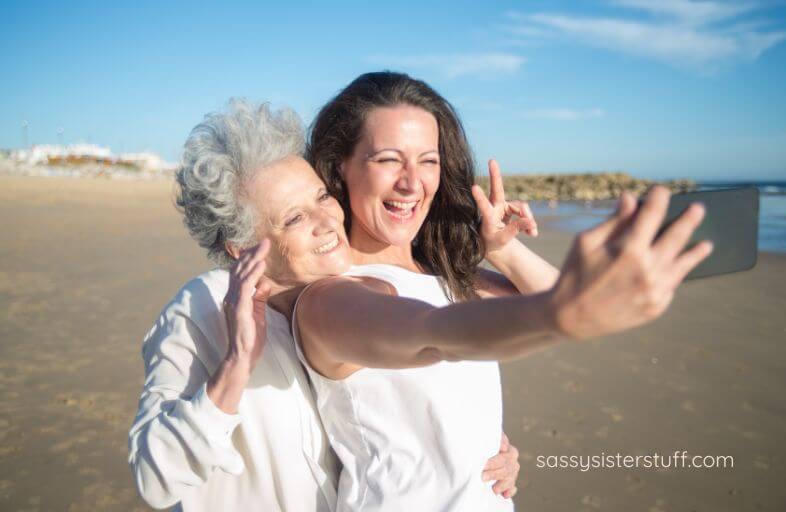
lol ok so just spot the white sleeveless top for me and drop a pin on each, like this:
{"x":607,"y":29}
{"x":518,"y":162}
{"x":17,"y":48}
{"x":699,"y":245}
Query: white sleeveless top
{"x":413,"y":439}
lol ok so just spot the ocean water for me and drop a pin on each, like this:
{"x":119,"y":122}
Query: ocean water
{"x":575,"y":216}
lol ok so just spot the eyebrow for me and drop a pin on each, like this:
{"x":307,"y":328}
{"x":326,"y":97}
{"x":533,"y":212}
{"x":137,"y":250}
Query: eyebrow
{"x":281,"y":218}
{"x":378,"y":151}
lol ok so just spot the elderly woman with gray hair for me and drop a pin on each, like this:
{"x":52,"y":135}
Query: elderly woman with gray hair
{"x":194,"y":443}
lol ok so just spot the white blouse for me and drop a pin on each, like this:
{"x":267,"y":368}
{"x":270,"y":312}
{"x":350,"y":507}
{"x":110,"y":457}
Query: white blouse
{"x":183,"y":450}
{"x":413,"y":439}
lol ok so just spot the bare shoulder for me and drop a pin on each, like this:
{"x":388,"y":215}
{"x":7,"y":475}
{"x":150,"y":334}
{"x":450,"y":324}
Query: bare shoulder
{"x":326,"y":313}
{"x":333,"y":299}
{"x":345,"y":287}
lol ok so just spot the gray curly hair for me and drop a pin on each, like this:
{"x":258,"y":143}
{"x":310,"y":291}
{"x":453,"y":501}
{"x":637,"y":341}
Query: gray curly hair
{"x":220,"y":156}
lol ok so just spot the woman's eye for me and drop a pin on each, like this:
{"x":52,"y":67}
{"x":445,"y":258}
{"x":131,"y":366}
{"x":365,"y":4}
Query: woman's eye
{"x":431,"y":162}
{"x":324,"y":197}
{"x":388,"y":160}
{"x":293,"y":220}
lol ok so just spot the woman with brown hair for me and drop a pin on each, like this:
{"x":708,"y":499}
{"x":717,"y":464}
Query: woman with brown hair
{"x":444,"y":235}
{"x":407,"y":388}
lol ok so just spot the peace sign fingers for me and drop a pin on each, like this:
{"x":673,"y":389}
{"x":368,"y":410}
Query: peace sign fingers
{"x":496,"y":186}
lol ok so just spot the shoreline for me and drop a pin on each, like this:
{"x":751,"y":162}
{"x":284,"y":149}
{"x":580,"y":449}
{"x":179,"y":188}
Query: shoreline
{"x":581,"y":213}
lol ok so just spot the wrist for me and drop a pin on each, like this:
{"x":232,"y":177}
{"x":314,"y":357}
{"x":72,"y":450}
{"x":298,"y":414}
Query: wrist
{"x":237,"y":365}
{"x":501,"y":257}
{"x":225,"y":387}
{"x":558,"y":316}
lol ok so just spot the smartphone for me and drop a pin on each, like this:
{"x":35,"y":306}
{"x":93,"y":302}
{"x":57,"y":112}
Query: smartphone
{"x":731,"y":222}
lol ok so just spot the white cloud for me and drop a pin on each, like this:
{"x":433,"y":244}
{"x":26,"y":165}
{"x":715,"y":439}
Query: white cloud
{"x":680,"y":32}
{"x":455,"y":65}
{"x":564,"y":114}
{"x":689,"y":11}
{"x":667,"y":42}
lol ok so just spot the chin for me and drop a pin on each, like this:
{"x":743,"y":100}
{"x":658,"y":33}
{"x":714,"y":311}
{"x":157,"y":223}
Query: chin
{"x":339,"y":264}
{"x":331,"y":270}
{"x":401,"y":236}
{"x":397,"y":238}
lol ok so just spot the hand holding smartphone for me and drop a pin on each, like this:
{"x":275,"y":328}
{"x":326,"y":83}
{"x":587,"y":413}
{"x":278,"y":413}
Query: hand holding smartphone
{"x":731,"y":222}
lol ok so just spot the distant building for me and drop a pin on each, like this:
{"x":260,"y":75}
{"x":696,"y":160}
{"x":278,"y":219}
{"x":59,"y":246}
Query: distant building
{"x":89,"y":154}
{"x":146,"y":161}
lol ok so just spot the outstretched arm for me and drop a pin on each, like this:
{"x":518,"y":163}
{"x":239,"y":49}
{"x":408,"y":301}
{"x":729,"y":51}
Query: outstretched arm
{"x":616,"y":277}
{"x":348,"y":323}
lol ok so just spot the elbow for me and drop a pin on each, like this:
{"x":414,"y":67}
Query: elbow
{"x":431,"y":355}
{"x":150,"y":486}
{"x":423,"y":339}
{"x":154,"y":495}
{"x":158,"y":502}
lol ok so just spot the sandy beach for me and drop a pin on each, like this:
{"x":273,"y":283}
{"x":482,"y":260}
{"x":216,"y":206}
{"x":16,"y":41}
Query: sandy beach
{"x":86,"y":265}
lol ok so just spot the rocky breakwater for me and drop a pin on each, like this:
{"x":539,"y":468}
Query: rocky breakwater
{"x":582,"y":187}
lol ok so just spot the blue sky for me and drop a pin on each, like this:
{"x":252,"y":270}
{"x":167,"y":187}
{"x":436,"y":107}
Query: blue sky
{"x":658,"y":88}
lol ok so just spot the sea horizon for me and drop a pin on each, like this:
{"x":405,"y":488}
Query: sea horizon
{"x":575,"y":216}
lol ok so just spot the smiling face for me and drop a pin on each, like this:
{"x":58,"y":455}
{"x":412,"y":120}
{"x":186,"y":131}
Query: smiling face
{"x":392,"y":176}
{"x":304,"y":223}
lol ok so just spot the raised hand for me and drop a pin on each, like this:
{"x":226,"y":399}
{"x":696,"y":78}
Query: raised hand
{"x":244,"y":310}
{"x":617,"y":276}
{"x":244,"y":305}
{"x":501,"y":220}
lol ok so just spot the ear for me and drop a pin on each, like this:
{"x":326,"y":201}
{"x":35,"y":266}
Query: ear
{"x":232,"y":250}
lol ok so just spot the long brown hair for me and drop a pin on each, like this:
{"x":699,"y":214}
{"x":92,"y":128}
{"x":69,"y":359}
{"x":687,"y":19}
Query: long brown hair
{"x":449,"y":243}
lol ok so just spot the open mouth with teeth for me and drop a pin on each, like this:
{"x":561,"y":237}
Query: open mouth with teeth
{"x":401,"y":210}
{"x":326,"y":248}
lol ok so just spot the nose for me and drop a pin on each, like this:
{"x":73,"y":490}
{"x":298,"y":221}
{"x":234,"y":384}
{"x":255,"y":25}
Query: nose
{"x":409,"y":177}
{"x":324,"y":221}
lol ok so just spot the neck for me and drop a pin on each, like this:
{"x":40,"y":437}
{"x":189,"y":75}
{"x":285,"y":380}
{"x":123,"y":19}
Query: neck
{"x":367,"y":250}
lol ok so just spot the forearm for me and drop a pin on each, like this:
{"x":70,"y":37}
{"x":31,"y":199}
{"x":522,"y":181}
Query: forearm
{"x":497,"y":329}
{"x":345,"y":323}
{"x":528,"y":272}
{"x":225,"y":387}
